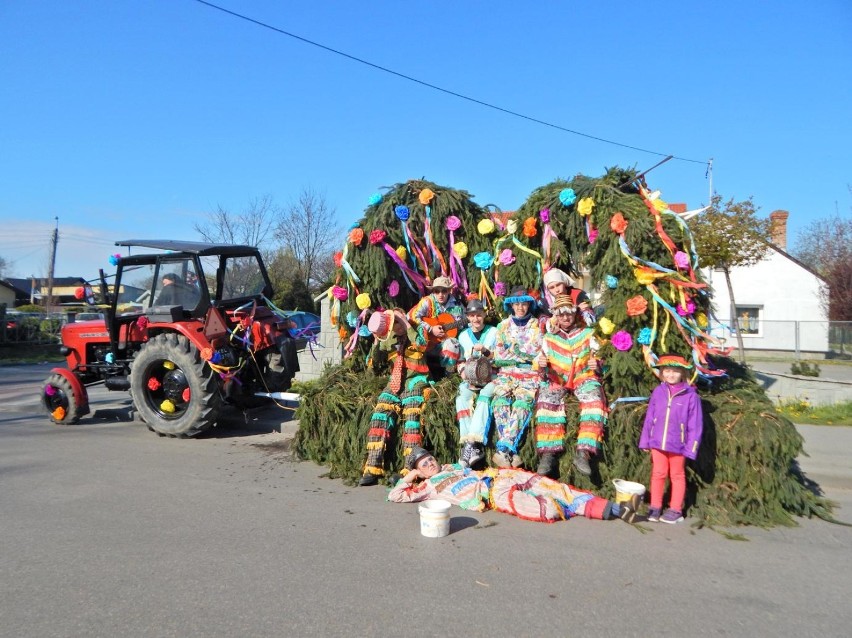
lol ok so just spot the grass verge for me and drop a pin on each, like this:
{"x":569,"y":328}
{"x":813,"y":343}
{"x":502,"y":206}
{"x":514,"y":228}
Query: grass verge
{"x":800,"y":411}
{"x":11,"y":353}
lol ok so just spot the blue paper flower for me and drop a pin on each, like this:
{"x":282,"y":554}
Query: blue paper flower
{"x":113,"y":260}
{"x":363,"y":331}
{"x":644,"y":336}
{"x":402,"y":212}
{"x":567,"y":196}
{"x":375,"y":198}
{"x":483,"y":260}
{"x":611,"y":282}
{"x":352,"y":318}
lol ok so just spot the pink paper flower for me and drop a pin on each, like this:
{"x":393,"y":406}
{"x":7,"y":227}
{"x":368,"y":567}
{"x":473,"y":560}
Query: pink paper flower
{"x":500,"y":289}
{"x":622,"y":340}
{"x":593,"y":235}
{"x":681,"y":259}
{"x":688,"y":309}
{"x":393,"y":288}
{"x":377,"y":236}
{"x":339,"y":292}
{"x":453,"y":223}
{"x":544,"y":215}
{"x":507,"y":257}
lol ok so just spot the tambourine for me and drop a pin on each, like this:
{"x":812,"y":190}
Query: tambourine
{"x":477,"y":371}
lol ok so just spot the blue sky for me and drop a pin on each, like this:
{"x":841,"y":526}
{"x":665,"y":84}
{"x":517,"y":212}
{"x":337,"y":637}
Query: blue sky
{"x":132,"y":119}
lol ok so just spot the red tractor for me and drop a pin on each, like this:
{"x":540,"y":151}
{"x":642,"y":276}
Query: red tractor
{"x":186,"y":331}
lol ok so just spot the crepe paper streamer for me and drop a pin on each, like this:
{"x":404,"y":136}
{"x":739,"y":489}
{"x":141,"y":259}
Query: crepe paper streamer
{"x":626,"y":400}
{"x":408,"y":274}
{"x":430,"y":242}
{"x":458,"y":251}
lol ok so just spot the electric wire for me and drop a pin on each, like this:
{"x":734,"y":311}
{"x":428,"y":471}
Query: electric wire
{"x":439,"y":88}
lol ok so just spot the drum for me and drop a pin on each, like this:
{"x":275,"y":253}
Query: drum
{"x":477,"y":371}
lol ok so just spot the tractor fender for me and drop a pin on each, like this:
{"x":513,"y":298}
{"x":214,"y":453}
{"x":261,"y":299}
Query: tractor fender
{"x":80,"y":394}
{"x":193,"y":331}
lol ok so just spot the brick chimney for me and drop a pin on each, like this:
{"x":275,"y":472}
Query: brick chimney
{"x":778,"y":220}
{"x":677,"y":208}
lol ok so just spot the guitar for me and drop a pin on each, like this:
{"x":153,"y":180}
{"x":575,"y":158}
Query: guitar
{"x":448,"y":322}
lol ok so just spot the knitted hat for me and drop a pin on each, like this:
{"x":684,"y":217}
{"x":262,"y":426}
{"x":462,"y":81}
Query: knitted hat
{"x":414,"y":456}
{"x":381,"y":322}
{"x":474,"y":305}
{"x":563,"y":305}
{"x":442,"y":282}
{"x":672,"y":361}
{"x":554,"y":274}
{"x":519,"y":293}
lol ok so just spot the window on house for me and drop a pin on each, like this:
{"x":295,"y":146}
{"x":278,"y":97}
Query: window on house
{"x":748,"y":318}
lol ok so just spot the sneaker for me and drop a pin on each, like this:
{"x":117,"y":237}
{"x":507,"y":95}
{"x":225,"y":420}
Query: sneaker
{"x":581,"y":462}
{"x":547,"y":465}
{"x":477,"y":454}
{"x":628,"y":512}
{"x":368,"y":479}
{"x":502,"y":458}
{"x":466,"y":452}
{"x":654,"y":515}
{"x":671,"y":517}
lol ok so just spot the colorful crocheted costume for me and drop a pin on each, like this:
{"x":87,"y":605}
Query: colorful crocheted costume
{"x":473,"y":405}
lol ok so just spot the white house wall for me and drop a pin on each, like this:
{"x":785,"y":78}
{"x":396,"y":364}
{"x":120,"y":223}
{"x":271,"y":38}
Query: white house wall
{"x":787,"y":295}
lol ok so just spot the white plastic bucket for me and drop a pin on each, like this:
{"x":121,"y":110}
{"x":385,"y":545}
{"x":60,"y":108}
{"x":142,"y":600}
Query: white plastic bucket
{"x":435,"y":518}
{"x":624,"y":490}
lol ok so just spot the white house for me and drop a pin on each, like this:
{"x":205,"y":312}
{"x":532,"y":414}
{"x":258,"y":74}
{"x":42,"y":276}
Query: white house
{"x":777,"y":301}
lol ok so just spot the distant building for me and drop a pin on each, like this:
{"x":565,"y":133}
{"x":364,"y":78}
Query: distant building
{"x":7,"y":295}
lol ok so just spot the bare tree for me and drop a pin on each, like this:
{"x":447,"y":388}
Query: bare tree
{"x":3,"y":265}
{"x":730,"y":235}
{"x":308,"y":231}
{"x":826,"y":246}
{"x":252,"y":227}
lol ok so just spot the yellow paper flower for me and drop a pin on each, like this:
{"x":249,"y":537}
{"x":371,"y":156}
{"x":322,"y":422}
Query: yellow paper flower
{"x":606,"y":326}
{"x":460,"y":249}
{"x":167,"y":406}
{"x":585,"y":206}
{"x":363,"y":301}
{"x":485,"y":227}
{"x":402,"y":252}
{"x":644,"y":276}
{"x":660,"y":205}
{"x":168,"y":365}
{"x":701,"y":320}
{"x":426,"y":196}
{"x":512,"y":226}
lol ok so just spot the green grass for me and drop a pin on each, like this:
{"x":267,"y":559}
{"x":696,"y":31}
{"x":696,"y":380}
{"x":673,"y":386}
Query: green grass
{"x":29,"y":353}
{"x":800,"y":411}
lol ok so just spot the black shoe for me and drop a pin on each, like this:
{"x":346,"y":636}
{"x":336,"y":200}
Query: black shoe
{"x":547,"y":465}
{"x":628,"y":513}
{"x":477,"y":454}
{"x":581,"y":462}
{"x":368,"y":479}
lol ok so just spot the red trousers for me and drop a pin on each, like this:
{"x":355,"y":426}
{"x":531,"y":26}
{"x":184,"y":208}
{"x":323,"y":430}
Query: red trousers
{"x":667,"y":465}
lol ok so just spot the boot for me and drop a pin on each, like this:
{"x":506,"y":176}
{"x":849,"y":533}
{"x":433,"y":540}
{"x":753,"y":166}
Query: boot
{"x":581,"y":462}
{"x":368,"y":479}
{"x":548,"y":465}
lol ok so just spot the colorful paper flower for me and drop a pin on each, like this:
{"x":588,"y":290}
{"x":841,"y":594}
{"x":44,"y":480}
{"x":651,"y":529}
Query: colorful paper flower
{"x":426,"y":196}
{"x":356,"y":236}
{"x":402,"y":213}
{"x":142,"y":323}
{"x":687,"y":309}
{"x":377,"y":236}
{"x":169,"y":365}
{"x":507,"y":257}
{"x":375,"y":199}
{"x":154,"y":384}
{"x":660,"y":205}
{"x":606,"y":325}
{"x":681,"y":259}
{"x":401,"y":252}
{"x":611,"y":282}
{"x":453,"y":223}
{"x":393,"y":289}
{"x":636,"y":306}
{"x":622,"y":340}
{"x":364,"y":331}
{"x":460,"y":249}
{"x":167,"y":406}
{"x":483,"y":260}
{"x":512,"y":226}
{"x":618,"y":223}
{"x":352,"y":318}
{"x":644,"y":337}
{"x":529,"y":227}
{"x":544,"y":215}
{"x":338,"y":258}
{"x":585,"y":206}
{"x":59,"y":413}
{"x":113,"y":259}
{"x":644,"y":275}
{"x":499,"y":288}
{"x":701,"y":320}
{"x":363,"y":301}
{"x":593,"y":235}
{"x":339,"y":292}
{"x":186,"y":395}
{"x":567,"y":196}
{"x":49,"y":390}
{"x":485,"y":227}
{"x":79,"y":293}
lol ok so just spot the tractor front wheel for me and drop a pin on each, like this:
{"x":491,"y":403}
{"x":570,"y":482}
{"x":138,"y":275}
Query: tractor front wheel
{"x":174,"y":391}
{"x":57,"y":398}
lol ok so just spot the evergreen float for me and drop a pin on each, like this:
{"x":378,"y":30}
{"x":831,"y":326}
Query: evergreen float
{"x":640,"y":256}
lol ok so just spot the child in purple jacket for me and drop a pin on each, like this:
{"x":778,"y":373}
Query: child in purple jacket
{"x":672,"y":432}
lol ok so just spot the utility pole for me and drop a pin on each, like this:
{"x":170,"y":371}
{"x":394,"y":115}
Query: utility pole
{"x":54,"y":241}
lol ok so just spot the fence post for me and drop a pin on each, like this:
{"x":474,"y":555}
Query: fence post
{"x":798,"y":355}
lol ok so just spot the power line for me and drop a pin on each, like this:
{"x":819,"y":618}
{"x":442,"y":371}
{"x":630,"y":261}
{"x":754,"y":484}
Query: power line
{"x":439,"y":88}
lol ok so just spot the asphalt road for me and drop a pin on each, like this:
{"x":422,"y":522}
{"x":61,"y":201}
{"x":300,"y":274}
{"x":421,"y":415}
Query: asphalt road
{"x":109,"y":530}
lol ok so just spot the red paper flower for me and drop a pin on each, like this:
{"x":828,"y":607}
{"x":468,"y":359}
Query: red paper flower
{"x":618,"y":223}
{"x":338,"y":259}
{"x":377,"y":236}
{"x":154,"y":384}
{"x":142,"y":322}
{"x":185,"y":395}
{"x":78,"y":293}
{"x":636,"y":305}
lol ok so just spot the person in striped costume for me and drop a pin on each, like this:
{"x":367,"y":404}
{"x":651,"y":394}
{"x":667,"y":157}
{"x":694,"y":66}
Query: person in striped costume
{"x":513,"y":491}
{"x":568,"y":362}
{"x":404,"y":346}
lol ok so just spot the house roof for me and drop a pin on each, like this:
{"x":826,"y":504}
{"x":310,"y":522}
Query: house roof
{"x":784,"y":253}
{"x":24,"y":284}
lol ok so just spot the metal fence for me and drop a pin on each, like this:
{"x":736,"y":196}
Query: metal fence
{"x":32,"y":327}
{"x":799,"y":339}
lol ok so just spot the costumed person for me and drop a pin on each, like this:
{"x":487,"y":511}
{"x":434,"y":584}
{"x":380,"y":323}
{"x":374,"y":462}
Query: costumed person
{"x":518,"y":342}
{"x":443,"y":317}
{"x":473,"y":401}
{"x":556,"y":282}
{"x":672,"y":432}
{"x":568,"y":362}
{"x":404,"y":346}
{"x":523,"y":494}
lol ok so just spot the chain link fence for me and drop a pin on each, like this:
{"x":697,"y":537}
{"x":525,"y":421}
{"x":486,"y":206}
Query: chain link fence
{"x":796,"y":339}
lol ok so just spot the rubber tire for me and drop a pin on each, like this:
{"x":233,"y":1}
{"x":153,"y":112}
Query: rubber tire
{"x":200,"y":412}
{"x":63,"y":396}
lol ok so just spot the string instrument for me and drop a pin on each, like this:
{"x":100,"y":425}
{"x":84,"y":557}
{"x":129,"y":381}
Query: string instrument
{"x":448,"y":322}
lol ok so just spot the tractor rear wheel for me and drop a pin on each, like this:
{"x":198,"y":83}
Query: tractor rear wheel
{"x":57,"y":398}
{"x":174,"y":391}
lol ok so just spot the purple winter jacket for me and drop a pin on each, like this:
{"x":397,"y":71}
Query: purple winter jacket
{"x":673,"y":422}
